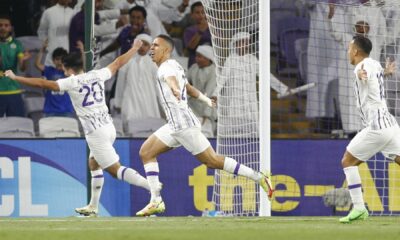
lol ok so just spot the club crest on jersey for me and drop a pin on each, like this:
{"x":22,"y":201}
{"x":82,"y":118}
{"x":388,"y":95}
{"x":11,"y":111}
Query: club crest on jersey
{"x":13,"y":46}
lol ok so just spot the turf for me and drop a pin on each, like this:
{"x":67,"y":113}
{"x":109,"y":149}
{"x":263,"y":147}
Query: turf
{"x":189,"y":228}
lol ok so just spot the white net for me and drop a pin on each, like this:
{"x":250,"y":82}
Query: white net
{"x":332,"y":27}
{"x":234,"y":29}
{"x":310,"y":40}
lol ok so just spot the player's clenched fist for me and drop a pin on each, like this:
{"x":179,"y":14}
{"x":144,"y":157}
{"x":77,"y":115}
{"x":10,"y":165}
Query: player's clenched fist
{"x":137,"y":43}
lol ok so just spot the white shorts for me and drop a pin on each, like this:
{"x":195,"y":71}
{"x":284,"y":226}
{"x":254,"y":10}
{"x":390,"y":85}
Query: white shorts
{"x":190,"y":138}
{"x":369,"y":142}
{"x":101,"y":147}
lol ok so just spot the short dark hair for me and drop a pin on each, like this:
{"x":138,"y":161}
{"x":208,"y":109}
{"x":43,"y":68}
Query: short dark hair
{"x":363,"y":43}
{"x":6,"y":16}
{"x":139,"y":9}
{"x":195,"y":5}
{"x":59,"y":52}
{"x":74,"y":61}
{"x":168,"y":39}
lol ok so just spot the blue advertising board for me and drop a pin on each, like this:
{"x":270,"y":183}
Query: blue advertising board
{"x":42,"y":177}
{"x":49,"y":178}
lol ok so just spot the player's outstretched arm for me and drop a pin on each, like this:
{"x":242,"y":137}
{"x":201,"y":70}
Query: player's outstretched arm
{"x":124,"y":58}
{"x":34,"y":82}
{"x":195,"y":93}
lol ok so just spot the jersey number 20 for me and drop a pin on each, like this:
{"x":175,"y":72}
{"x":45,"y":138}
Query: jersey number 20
{"x":92,"y":93}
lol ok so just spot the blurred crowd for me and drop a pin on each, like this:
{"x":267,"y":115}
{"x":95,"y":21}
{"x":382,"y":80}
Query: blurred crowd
{"x":313,"y":35}
{"x":35,"y":35}
{"x":310,"y":36}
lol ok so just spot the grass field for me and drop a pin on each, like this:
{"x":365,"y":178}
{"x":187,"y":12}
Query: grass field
{"x":279,"y":228}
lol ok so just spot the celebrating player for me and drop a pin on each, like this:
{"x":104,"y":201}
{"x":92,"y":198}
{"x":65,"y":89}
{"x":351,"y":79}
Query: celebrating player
{"x":381,"y":131}
{"x":183,"y":128}
{"x":87,"y":94}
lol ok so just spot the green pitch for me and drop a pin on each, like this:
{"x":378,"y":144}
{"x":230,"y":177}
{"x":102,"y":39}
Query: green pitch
{"x":192,"y":228}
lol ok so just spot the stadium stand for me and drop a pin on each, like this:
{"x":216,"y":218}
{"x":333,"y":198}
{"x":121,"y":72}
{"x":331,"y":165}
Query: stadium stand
{"x":16,"y":127}
{"x":53,"y":127}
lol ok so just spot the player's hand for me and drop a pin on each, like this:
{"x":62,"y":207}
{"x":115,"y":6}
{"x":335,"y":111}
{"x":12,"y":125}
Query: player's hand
{"x":390,"y":67}
{"x":177,"y":94}
{"x":137,"y":43}
{"x":362,"y":74}
{"x":10,"y":74}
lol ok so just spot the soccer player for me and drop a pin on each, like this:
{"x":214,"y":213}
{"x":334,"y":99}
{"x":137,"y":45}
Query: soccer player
{"x":183,"y":128}
{"x":381,"y":131}
{"x":87,"y":94}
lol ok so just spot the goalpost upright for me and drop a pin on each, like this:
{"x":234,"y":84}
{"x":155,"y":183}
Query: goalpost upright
{"x":89,"y":21}
{"x":264,"y":98}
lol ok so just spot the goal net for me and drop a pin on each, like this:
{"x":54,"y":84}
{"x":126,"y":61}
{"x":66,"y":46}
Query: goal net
{"x":332,"y":27}
{"x":309,"y":42}
{"x":235,"y":37}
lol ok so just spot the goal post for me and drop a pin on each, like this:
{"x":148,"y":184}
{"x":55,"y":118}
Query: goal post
{"x":89,"y":35}
{"x":240,"y":37}
{"x":264,"y":99}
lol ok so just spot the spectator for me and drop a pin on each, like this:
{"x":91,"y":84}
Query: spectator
{"x":202,"y":76}
{"x":54,"y":26}
{"x":197,"y":34}
{"x":56,"y":103}
{"x":136,"y":90}
{"x":168,"y":11}
{"x":101,"y":27}
{"x":153,"y":22}
{"x":137,"y":16}
{"x":12,"y":56}
{"x":237,"y":89}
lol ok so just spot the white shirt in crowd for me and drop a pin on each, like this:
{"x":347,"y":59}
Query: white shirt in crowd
{"x":205,"y":80}
{"x":152,"y":20}
{"x":136,"y":92}
{"x":178,"y":113}
{"x":86,"y":91}
{"x":54,"y":26}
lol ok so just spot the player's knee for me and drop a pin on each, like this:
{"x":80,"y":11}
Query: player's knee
{"x":349,"y":160}
{"x":93,"y":165}
{"x":145,"y":153}
{"x":113,"y":171}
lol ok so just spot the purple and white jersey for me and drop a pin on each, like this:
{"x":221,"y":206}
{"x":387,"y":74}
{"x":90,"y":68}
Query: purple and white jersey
{"x":179,"y":115}
{"x":87,"y":95}
{"x":370,"y":96}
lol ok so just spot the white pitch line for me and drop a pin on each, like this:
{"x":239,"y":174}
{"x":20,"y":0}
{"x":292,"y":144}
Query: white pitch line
{"x":63,"y":229}
{"x":166,"y":219}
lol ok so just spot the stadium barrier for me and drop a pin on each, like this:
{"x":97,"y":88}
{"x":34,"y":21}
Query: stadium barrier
{"x":48,"y":178}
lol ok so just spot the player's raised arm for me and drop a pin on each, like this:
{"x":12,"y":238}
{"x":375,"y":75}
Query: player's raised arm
{"x":194,"y":92}
{"x":124,"y":58}
{"x":33,"y":82}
